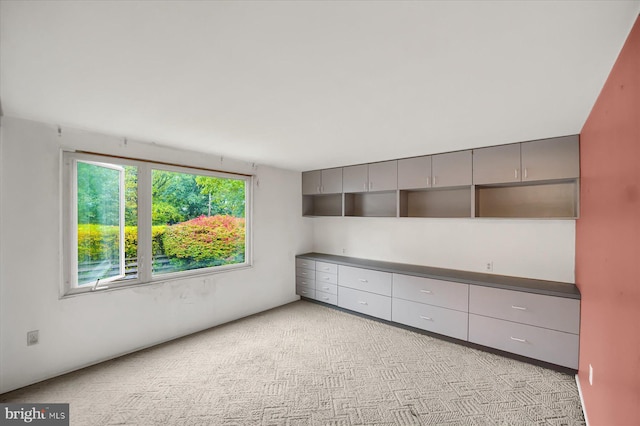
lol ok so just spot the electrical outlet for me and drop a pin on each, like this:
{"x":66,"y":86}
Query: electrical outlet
{"x":32,"y":337}
{"x":590,"y":375}
{"x":489,"y":266}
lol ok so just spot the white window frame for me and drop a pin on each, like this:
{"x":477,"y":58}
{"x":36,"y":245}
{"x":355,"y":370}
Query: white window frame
{"x":69,"y":226}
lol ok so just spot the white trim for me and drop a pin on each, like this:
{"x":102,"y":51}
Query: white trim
{"x":584,"y":409}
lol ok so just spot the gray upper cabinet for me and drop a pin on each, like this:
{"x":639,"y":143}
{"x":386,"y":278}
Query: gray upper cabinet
{"x":371,"y":177}
{"x":355,"y":178}
{"x":451,"y":169}
{"x":414,"y":173}
{"x":496,"y":164}
{"x":331,"y":182}
{"x":546,"y":159}
{"x":556,"y":158}
{"x":383,"y":176}
{"x":311,"y":182}
{"x":328,"y":181}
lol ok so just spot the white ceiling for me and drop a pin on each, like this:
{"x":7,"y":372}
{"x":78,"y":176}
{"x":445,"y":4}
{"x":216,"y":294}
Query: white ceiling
{"x":305,"y":85}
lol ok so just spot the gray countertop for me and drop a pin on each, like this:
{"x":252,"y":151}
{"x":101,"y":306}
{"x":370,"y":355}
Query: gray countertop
{"x":549,"y":288}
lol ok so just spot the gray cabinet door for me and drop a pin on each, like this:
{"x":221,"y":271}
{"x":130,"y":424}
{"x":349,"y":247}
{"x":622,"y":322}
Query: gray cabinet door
{"x":311,"y":182}
{"x":331,"y":181}
{"x":383,"y":176}
{"x":355,"y":178}
{"x":556,"y":158}
{"x":414,"y":173}
{"x":451,"y":169}
{"x":496,"y":164}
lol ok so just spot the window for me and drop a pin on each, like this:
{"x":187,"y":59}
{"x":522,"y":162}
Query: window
{"x":131,"y":221}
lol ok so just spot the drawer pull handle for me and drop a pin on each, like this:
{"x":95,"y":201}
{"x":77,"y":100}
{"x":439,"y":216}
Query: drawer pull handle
{"x":303,"y":273}
{"x":326,"y":278}
{"x":326,"y":268}
{"x":325,"y":288}
{"x":518,"y":340}
{"x":426,"y":318}
{"x":362,"y":280}
{"x":303,"y":292}
{"x":325,"y":298}
{"x":362,"y":303}
{"x":520,"y":308}
{"x":426,"y":291}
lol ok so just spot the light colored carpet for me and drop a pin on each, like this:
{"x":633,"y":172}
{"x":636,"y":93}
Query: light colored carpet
{"x":307,"y":364}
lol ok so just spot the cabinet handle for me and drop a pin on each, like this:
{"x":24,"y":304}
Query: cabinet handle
{"x":362,"y":303}
{"x":520,"y":308}
{"x":370,"y":185}
{"x":525,"y":173}
{"x":362,"y":280}
{"x":428,"y":178}
{"x":303,"y":292}
{"x":426,"y":291}
{"x":325,"y":298}
{"x":326,"y":278}
{"x":326,"y":268}
{"x":518,"y":340}
{"x":325,"y":288}
{"x":515,"y":173}
{"x":434,"y":180}
{"x":322,"y":188}
{"x":303,"y":273}
{"x":426,"y":318}
{"x":365,"y":186}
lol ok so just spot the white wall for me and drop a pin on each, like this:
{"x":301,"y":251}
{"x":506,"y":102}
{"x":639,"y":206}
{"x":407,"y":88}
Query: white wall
{"x":85,"y":329}
{"x":542,"y":249}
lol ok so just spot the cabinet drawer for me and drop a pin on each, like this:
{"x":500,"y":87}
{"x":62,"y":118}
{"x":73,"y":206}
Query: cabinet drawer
{"x":431,"y":318}
{"x":323,"y":277}
{"x":556,"y":313}
{"x":305,"y":291}
{"x":329,"y":268}
{"x":305,"y":273}
{"x":307,"y":282}
{"x":367,"y":303}
{"x":543,"y":344}
{"x":305,"y":263}
{"x":326,"y":288}
{"x":330,"y":298}
{"x":446,"y":294}
{"x":365,"y":279}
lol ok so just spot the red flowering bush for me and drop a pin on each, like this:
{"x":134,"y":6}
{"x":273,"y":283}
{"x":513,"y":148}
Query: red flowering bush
{"x":205,"y":241}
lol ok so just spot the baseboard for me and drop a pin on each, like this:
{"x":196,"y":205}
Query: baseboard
{"x":584,"y":409}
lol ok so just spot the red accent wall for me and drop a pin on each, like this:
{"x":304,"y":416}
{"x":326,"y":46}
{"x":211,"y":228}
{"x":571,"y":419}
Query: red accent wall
{"x":608,"y":245}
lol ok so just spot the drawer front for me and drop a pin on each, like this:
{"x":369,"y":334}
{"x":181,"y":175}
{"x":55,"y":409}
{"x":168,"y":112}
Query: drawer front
{"x":543,"y":344}
{"x":552,"y":312}
{"x":332,"y":299}
{"x":326,"y":288}
{"x":431,"y":318}
{"x":446,"y":294}
{"x":329,"y":268}
{"x":367,"y":303}
{"x":305,"y":273}
{"x":365,"y":279}
{"x":306,"y":282}
{"x":306,"y":264}
{"x":305,"y":291}
{"x":323,"y":277}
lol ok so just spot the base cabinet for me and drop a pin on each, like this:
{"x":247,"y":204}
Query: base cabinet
{"x":376,"y":305}
{"x":430,"y":318}
{"x":552,"y":346}
{"x":544,"y":327}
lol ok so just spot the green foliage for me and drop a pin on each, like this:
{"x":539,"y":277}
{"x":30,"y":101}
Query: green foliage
{"x":99,"y":242}
{"x":226,"y":196}
{"x":98,"y":194}
{"x":176,"y":197}
{"x":205,"y":241}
